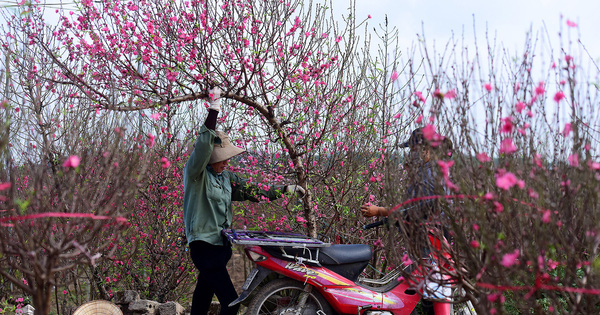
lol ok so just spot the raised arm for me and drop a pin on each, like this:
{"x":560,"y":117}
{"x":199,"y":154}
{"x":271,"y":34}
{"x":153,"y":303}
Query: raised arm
{"x":206,"y":136}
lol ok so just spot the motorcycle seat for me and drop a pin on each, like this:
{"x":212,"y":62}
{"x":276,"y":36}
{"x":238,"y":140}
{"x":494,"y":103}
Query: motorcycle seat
{"x":345,"y":254}
{"x":333,"y":255}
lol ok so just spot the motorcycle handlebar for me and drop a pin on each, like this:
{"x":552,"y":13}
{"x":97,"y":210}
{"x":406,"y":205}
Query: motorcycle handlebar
{"x":375,"y":224}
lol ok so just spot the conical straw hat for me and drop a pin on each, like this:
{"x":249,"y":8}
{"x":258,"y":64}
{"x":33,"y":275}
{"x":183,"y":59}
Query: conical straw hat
{"x":98,"y":307}
{"x":224,"y":150}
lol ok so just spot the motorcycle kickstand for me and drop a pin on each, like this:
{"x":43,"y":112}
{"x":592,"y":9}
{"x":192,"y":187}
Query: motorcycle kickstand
{"x":303,"y":298}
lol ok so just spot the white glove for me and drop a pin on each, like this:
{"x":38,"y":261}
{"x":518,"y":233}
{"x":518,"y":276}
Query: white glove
{"x":291,"y":189}
{"x":215,"y":100}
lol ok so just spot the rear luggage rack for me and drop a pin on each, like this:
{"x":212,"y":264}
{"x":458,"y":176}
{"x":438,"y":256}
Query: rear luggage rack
{"x":265,"y":238}
{"x":277,"y":239}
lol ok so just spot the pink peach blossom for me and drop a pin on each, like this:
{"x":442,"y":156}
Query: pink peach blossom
{"x":498,"y":207}
{"x":546,"y":216}
{"x":150,"y":141}
{"x":450,"y":94}
{"x":506,"y":180}
{"x":445,"y":168}
{"x":567,"y":130}
{"x":507,"y":146}
{"x":420,"y":96}
{"x":533,"y":194}
{"x":165,"y":162}
{"x":406,"y":260}
{"x":539,"y":90}
{"x":71,"y":162}
{"x":559,"y":96}
{"x":568,"y":59}
{"x":507,"y":125}
{"x":520,"y":106}
{"x":594,"y":165}
{"x":429,"y":132}
{"x":482,"y":157}
{"x":510,"y":259}
{"x":574,"y":160}
{"x":172,"y":75}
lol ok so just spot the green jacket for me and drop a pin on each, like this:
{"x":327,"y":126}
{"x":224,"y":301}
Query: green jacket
{"x":208,"y":195}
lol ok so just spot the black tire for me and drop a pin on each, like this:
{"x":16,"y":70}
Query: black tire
{"x":281,"y":295}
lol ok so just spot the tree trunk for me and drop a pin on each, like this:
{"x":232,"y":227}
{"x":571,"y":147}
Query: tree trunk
{"x":41,"y":298}
{"x":311,"y":221}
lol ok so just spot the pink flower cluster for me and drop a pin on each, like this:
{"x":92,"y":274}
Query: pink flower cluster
{"x":71,"y":162}
{"x":506,"y":180}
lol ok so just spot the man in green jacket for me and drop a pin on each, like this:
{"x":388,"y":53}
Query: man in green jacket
{"x":209,"y":189}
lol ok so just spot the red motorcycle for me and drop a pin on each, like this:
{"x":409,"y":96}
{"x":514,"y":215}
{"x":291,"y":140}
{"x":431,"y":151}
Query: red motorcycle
{"x":295,"y":274}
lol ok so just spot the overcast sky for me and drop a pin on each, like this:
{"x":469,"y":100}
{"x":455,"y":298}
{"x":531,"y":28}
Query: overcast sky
{"x":508,"y":19}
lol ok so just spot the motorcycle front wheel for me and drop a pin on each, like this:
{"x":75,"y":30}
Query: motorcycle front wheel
{"x":281,"y":297}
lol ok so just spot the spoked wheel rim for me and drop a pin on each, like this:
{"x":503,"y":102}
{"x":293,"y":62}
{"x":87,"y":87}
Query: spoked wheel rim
{"x":282,"y":296}
{"x":285,"y":302}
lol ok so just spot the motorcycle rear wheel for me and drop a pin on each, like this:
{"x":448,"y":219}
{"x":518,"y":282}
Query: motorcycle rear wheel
{"x":281,"y":297}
